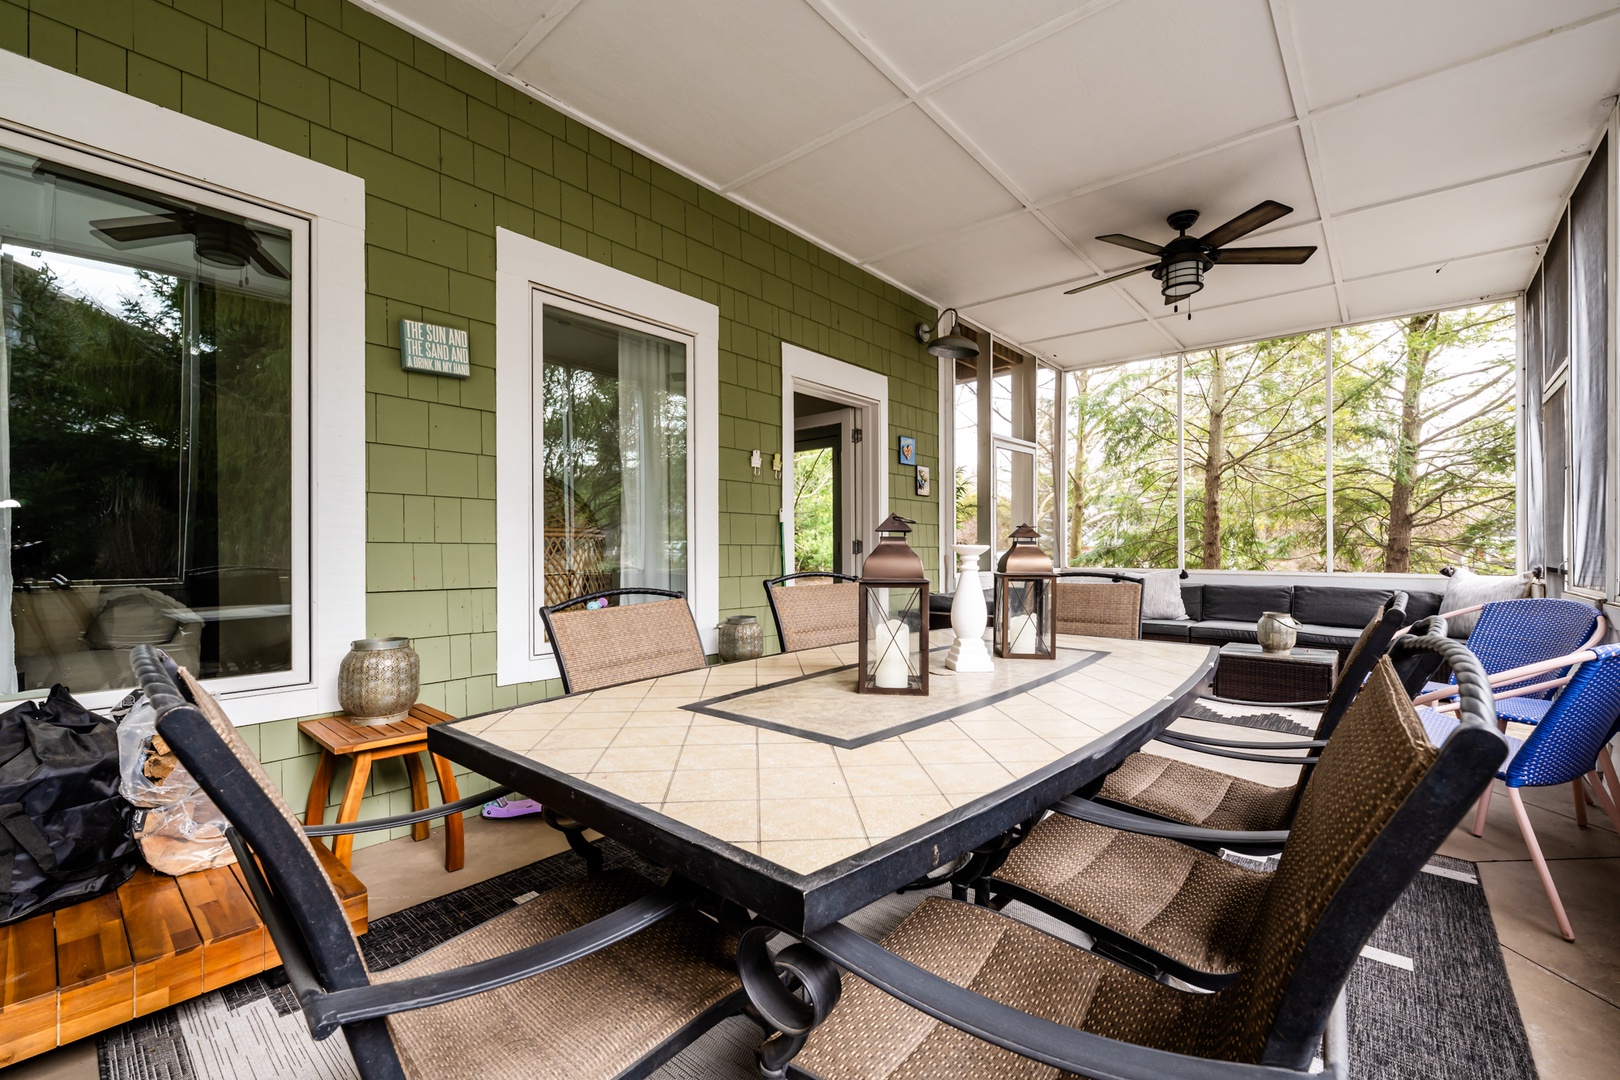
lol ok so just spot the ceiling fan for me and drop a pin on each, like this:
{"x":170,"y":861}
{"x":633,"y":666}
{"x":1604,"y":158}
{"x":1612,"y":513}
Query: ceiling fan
{"x":217,"y":240}
{"x":1183,"y":261}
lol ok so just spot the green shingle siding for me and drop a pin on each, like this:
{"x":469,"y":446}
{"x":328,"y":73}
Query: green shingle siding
{"x":449,"y":153}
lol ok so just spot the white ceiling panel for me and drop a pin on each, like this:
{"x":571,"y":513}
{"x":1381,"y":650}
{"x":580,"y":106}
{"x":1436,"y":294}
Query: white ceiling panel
{"x":1464,"y":221}
{"x":1143,"y":81}
{"x":1336,"y":38}
{"x":1534,"y":104}
{"x":1036,"y":315}
{"x":1128,"y":342}
{"x":724,"y":85}
{"x":1235,"y":284}
{"x":1455,"y":285}
{"x":486,"y":27}
{"x":1291,"y":313}
{"x":933,"y":141}
{"x":883,"y":186}
{"x":1006,"y":256}
{"x":924,"y":44}
{"x":1220,"y":185}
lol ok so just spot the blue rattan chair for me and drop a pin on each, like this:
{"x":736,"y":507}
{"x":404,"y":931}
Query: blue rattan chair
{"x":1569,"y":745}
{"x":1513,"y":634}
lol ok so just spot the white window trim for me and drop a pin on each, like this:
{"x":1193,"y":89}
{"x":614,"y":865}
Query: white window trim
{"x":124,"y":132}
{"x":523,"y":264}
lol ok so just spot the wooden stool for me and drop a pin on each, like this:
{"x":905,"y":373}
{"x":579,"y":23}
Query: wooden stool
{"x":407,"y":739}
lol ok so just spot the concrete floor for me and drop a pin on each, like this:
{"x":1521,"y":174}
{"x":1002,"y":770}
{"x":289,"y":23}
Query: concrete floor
{"x":1569,"y":994}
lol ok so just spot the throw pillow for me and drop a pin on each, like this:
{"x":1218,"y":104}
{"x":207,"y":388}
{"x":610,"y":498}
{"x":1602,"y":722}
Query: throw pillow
{"x":1467,"y":589}
{"x":1161,"y":596}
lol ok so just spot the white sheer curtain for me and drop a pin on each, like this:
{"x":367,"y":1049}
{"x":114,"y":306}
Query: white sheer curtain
{"x":644,"y":548}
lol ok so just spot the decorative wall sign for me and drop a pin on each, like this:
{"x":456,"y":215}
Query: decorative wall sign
{"x":924,"y":488}
{"x":908,"y":450}
{"x":436,"y":350}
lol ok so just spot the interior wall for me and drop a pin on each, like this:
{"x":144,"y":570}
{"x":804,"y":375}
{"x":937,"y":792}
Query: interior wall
{"x":448,"y":154}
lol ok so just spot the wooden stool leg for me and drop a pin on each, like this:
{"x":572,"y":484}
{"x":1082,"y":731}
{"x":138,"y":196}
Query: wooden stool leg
{"x":455,"y":844}
{"x":320,"y":788}
{"x":349,"y":810}
{"x":419,"y":794}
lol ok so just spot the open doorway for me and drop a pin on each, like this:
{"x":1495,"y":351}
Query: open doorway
{"x":834,"y":474}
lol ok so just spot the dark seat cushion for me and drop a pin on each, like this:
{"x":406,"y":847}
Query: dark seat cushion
{"x":1331,"y":605}
{"x":1167,"y":628}
{"x":1221,"y":631}
{"x":1244,"y":603}
{"x":1315,"y":635}
{"x":1420,"y":605}
{"x":1192,"y":598}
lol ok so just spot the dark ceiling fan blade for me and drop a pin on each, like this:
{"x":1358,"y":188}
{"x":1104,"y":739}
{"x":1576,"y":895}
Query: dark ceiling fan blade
{"x":1133,"y":243}
{"x":266,"y":261}
{"x":1258,"y":255}
{"x":1248,"y":221}
{"x":1106,"y":280}
{"x":144,"y":227}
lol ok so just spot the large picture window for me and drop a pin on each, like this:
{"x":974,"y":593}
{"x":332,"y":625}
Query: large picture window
{"x":614,"y":445}
{"x":147,"y":430}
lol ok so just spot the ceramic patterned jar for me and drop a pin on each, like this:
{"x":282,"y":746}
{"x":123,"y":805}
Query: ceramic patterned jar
{"x":741,"y":638}
{"x":378,"y":680}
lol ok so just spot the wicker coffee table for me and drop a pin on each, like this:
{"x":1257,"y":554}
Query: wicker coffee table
{"x":1249,"y":674}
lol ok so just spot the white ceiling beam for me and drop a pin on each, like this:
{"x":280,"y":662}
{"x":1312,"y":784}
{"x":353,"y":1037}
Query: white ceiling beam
{"x":530,"y":41}
{"x":1283,"y":25}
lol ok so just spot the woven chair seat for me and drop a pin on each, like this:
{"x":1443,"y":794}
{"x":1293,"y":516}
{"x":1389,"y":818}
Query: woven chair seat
{"x":872,"y":1036}
{"x":1190,"y":906}
{"x":588,"y":1020}
{"x":1111,"y":609}
{"x":1194,"y":795}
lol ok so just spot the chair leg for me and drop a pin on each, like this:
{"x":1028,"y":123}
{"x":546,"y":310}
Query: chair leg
{"x":1580,"y":804}
{"x":1605,"y":798}
{"x":1484,"y":806}
{"x":1541,"y":864}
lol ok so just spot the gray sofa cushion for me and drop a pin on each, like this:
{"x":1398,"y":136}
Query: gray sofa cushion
{"x":1221,"y":631}
{"x":1167,"y":628}
{"x":1244,"y":603}
{"x":1317,"y":636}
{"x":1330,"y":605}
{"x":1192,"y":598}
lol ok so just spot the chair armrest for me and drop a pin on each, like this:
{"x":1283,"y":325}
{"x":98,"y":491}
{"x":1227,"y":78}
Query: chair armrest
{"x":1062,"y":1047}
{"x":375,"y":824}
{"x":1239,"y":744}
{"x":1239,"y":755}
{"x":1193,"y":835}
{"x":327,"y":1011}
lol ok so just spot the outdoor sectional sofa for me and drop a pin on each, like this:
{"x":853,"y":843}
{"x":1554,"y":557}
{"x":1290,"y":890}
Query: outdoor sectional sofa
{"x":1330,"y":616}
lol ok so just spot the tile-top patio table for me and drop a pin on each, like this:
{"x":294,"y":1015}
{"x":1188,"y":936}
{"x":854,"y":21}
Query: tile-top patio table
{"x":775,"y":785}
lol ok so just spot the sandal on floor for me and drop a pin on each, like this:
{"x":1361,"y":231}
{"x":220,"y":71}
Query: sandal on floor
{"x":505,"y":808}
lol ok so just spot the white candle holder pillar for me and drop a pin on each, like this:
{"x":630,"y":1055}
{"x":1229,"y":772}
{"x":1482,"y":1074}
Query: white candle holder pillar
{"x":968,"y":614}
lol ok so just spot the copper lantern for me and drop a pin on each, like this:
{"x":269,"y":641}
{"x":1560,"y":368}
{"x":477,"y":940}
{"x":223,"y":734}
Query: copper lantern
{"x":894,"y":616}
{"x":1026,"y":592}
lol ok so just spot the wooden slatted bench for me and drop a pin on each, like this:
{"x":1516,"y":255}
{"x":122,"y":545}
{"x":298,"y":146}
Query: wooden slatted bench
{"x":155,"y":942}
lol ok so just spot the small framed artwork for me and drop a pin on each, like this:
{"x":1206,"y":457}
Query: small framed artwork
{"x":908,"y":450}
{"x":924,"y":488}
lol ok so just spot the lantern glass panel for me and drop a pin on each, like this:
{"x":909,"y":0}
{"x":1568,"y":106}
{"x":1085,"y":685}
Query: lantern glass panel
{"x":895,"y":649}
{"x":1025,"y":627}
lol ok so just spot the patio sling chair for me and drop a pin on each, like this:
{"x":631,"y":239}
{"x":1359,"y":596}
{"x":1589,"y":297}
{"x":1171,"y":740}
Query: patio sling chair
{"x":812,"y":615}
{"x":606,"y":977}
{"x":1105,"y":605}
{"x":963,"y":991}
{"x":1159,"y":904}
{"x":1512,"y":634}
{"x":1148,"y":784}
{"x":1569,"y":745}
{"x":607,"y":645}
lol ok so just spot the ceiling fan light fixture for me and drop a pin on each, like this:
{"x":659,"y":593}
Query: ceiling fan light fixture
{"x":950,"y":346}
{"x":222,"y":243}
{"x":1182,"y":278}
